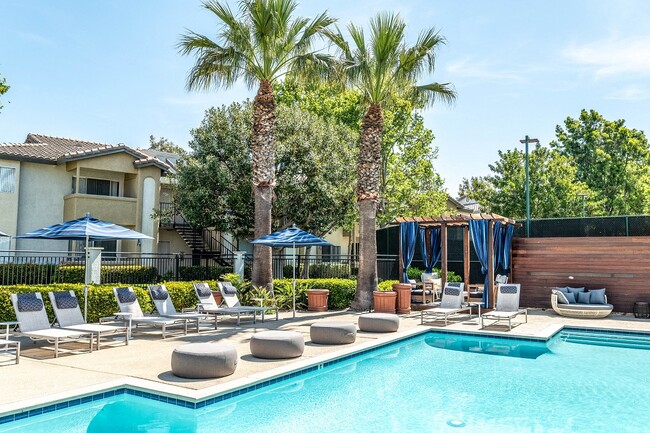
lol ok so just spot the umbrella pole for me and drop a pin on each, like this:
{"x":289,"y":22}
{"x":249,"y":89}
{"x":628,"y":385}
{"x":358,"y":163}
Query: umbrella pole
{"x":86,"y":283}
{"x":294,"y":280}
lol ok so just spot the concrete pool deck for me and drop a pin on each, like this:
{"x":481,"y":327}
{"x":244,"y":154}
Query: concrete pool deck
{"x":40,"y":379}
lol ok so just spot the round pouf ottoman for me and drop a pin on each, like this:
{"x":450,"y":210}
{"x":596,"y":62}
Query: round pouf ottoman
{"x":204,"y":360}
{"x":277,"y":344}
{"x":333,"y":333}
{"x":379,"y":322}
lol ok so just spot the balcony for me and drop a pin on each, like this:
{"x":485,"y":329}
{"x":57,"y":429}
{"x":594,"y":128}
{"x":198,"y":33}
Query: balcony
{"x":118,"y":210}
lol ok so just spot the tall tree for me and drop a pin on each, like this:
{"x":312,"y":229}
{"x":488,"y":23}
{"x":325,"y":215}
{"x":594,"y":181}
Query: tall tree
{"x":4,"y":88}
{"x":379,"y":68}
{"x":261,"y":45}
{"x":554,"y":192}
{"x":610,"y":158}
{"x":314,"y":167}
{"x":164,"y":145}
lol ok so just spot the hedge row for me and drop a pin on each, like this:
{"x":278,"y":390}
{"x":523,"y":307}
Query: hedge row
{"x":102,"y":303}
{"x":115,"y":273}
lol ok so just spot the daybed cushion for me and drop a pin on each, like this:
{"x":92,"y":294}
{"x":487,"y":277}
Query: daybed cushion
{"x":570,"y":297}
{"x":583,"y":297}
{"x":575,"y":291}
{"x":586,"y":307}
{"x":597,"y":296}
{"x":561,"y":298}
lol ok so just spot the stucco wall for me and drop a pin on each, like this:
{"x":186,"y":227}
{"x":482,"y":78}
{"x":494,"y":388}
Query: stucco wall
{"x":176,"y":242}
{"x":40,"y":203}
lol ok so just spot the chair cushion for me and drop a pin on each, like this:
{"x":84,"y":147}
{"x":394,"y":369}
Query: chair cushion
{"x":203,"y":290}
{"x":570,"y":297}
{"x":575,"y":291}
{"x":158,"y":293}
{"x":229,"y":289}
{"x":597,"y":296}
{"x":583,"y":297}
{"x":126,"y":296}
{"x":28,"y":302}
{"x":561,"y":298}
{"x":65,"y":301}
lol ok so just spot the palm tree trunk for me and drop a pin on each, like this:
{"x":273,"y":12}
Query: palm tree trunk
{"x":263,"y":156}
{"x":368,"y":171}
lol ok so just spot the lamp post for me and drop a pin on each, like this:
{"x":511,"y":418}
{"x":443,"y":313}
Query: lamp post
{"x":527,"y":140}
{"x":584,"y":196}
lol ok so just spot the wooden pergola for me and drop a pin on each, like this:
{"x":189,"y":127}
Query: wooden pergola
{"x":459,"y":220}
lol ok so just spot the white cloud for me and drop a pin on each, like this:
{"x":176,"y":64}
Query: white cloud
{"x":613,"y":57}
{"x":630,"y":93}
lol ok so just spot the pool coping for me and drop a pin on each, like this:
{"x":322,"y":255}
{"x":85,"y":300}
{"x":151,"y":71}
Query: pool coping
{"x":194,"y":398}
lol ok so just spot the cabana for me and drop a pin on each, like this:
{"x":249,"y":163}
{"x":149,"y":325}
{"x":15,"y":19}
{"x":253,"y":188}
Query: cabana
{"x":491,"y":235}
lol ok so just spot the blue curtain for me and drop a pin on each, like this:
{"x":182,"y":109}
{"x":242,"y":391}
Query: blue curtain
{"x":498,"y":244}
{"x":407,"y":235}
{"x":478,"y":230}
{"x":430,"y":255}
{"x":508,"y":233}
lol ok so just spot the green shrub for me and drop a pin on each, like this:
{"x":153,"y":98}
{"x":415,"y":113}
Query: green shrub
{"x":387,"y":286}
{"x":26,"y":273}
{"x":322,"y":270}
{"x":109,"y":274}
{"x":200,"y":273}
{"x":416,"y":274}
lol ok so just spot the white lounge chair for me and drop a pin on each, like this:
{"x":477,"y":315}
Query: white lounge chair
{"x":229,"y":294}
{"x":208,"y":305}
{"x":450,"y":305}
{"x":131,"y":312}
{"x":165,"y":307}
{"x":68,"y":316}
{"x":507,"y":305}
{"x":33,"y":323}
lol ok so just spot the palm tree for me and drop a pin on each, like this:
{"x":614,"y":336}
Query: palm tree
{"x":379,"y":68}
{"x":261,"y":45}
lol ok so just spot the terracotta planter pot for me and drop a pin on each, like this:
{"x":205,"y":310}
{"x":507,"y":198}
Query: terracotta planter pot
{"x":217,"y":297}
{"x":317,"y":299}
{"x":403,"y":298}
{"x":384,"y":302}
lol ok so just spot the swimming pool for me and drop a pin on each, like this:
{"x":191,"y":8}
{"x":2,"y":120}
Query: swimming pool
{"x":436,"y":382}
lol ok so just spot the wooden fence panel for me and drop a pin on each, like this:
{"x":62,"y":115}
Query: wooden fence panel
{"x":619,"y":264}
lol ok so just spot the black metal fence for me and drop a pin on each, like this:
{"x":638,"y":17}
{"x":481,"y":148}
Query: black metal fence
{"x":38,"y":267}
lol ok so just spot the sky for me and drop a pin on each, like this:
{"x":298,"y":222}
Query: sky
{"x":109,"y":71}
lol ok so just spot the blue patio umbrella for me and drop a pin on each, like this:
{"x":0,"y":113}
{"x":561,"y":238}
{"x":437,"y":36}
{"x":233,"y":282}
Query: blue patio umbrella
{"x":4,"y":235}
{"x":291,"y":237}
{"x":85,"y":229}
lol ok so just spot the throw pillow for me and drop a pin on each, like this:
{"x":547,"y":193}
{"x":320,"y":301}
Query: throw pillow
{"x":575,"y":291}
{"x":562,"y":289}
{"x":597,"y":296}
{"x":570,"y":297}
{"x":583,"y":297}
{"x":561,"y":298}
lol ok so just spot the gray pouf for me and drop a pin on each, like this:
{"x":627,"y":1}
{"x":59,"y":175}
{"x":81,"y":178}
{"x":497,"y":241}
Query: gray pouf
{"x":379,"y":322}
{"x":333,"y":333}
{"x":204,"y":360}
{"x":277,"y":344}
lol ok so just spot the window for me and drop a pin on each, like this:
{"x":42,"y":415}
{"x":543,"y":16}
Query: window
{"x":7,"y":179}
{"x":96,"y":186}
{"x":331,"y":250}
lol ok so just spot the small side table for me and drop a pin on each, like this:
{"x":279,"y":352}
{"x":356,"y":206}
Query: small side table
{"x":641,"y":310}
{"x":7,"y":345}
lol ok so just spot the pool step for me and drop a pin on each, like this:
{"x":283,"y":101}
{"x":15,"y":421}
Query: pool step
{"x":630,"y":341}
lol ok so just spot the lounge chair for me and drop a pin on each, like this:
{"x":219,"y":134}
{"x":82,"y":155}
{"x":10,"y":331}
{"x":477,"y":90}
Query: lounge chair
{"x":68,"y":316}
{"x":450,"y":305}
{"x":208,"y":305}
{"x":507,"y":305}
{"x":229,"y":294}
{"x":430,"y":285}
{"x":131,"y":312}
{"x":33,"y":323}
{"x":165,"y":307}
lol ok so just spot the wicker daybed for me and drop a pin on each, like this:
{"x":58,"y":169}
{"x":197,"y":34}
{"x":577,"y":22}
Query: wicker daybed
{"x":580,"y":310}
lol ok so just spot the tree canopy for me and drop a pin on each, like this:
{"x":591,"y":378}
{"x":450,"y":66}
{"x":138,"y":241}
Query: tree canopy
{"x":314,"y":164}
{"x":610,"y":158}
{"x":4,"y":88}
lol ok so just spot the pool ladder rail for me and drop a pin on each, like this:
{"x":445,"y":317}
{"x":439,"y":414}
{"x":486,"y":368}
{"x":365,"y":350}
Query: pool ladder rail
{"x":629,"y":341}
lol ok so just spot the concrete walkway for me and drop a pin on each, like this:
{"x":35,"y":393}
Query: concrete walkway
{"x":145,"y":362}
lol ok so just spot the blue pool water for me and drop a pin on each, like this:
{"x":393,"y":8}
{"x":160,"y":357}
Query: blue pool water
{"x":437,"y":382}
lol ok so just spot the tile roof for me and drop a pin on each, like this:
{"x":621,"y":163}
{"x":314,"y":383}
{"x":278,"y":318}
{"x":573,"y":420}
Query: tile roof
{"x":46,"y":149}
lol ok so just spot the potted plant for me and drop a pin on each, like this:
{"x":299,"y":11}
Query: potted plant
{"x":403,"y":291}
{"x":384,"y":299}
{"x":317,"y":299}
